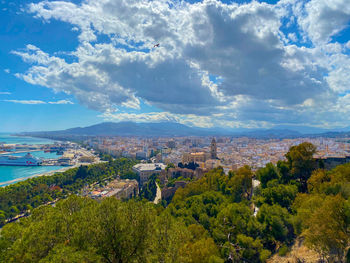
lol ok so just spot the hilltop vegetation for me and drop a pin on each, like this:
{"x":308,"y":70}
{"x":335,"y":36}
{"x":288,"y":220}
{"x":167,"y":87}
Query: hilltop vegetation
{"x":219,"y":218}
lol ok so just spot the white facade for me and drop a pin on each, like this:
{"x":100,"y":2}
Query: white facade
{"x":145,"y":170}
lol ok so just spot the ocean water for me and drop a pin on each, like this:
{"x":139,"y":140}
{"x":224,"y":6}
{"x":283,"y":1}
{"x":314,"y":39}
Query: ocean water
{"x":7,"y":138}
{"x":10,"y":173}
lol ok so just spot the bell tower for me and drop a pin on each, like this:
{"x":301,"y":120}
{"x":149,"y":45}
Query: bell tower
{"x":213,"y":149}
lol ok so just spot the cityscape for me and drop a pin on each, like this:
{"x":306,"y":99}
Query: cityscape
{"x":231,"y":153}
{"x":175,"y":131}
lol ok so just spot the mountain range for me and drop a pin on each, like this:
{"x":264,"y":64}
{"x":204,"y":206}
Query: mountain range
{"x":177,"y":129}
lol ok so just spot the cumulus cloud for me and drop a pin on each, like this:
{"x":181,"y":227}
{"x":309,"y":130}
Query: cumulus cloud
{"x":188,"y":119}
{"x":322,"y":19}
{"x":217,"y":64}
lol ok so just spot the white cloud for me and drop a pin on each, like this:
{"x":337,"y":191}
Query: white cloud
{"x":37,"y":102}
{"x":140,"y":117}
{"x":322,"y":19}
{"x":218,"y":120}
{"x":223,"y":64}
{"x":293,"y":37}
{"x":5,"y":93}
{"x":30,"y":102}
{"x":61,"y":102}
{"x":347,"y":45}
{"x":7,"y":70}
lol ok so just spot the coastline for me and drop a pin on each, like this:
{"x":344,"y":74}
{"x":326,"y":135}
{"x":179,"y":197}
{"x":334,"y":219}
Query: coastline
{"x":11,"y":139}
{"x":66,"y":168}
{"x":6,"y":183}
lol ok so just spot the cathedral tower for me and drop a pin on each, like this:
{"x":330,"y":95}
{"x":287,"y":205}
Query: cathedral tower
{"x":213,"y":149}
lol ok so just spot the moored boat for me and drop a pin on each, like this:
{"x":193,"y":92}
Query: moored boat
{"x":27,"y":160}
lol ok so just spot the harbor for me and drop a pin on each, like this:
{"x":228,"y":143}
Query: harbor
{"x":57,"y":154}
{"x":52,"y":157}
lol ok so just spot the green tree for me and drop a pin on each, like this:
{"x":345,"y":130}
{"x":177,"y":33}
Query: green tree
{"x":240,"y":185}
{"x":317,"y":179}
{"x":277,"y":225}
{"x":283,"y":195}
{"x":266,"y":174}
{"x":326,"y":229}
{"x":170,"y":165}
{"x":301,"y":162}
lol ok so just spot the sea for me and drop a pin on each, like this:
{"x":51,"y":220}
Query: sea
{"x":12,"y":174}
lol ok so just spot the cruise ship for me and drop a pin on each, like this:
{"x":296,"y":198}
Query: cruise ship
{"x":27,"y":160}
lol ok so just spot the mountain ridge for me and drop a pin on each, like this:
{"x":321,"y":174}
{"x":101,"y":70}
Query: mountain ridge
{"x":129,"y":128}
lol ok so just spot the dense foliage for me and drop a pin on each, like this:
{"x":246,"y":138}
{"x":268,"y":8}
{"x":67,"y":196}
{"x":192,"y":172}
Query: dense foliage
{"x":149,"y":190}
{"x":31,"y":193}
{"x":315,"y":201}
{"x":218,"y":218}
{"x":83,"y":230}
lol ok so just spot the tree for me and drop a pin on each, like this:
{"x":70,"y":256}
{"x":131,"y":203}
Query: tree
{"x":284,"y":172}
{"x":170,"y":165}
{"x":327,"y":228}
{"x":283,"y":195}
{"x":315,"y":182}
{"x":202,"y":251}
{"x":240,"y":185}
{"x":149,"y":190}
{"x":64,"y":254}
{"x":301,"y":162}
{"x":277,"y":226}
{"x":2,"y":218}
{"x":170,"y":237}
{"x":82,"y":171}
{"x":266,"y":174}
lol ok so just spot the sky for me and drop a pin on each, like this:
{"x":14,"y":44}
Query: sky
{"x":230,"y":64}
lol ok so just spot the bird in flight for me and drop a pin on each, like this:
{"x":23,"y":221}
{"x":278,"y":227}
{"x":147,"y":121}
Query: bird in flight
{"x":156,"y":45}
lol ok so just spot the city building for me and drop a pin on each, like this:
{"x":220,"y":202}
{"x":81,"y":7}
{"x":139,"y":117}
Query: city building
{"x":171,"y":144}
{"x":145,"y":170}
{"x":141,"y":155}
{"x":197,"y":157}
{"x":212,"y":163}
{"x":120,"y":189}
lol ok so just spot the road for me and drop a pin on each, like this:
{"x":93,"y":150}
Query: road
{"x":158,"y":195}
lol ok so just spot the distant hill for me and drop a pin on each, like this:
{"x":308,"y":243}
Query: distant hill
{"x":126,"y":129}
{"x":160,"y":129}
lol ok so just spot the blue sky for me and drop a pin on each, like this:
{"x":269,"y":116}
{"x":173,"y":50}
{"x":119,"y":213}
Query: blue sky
{"x":233,"y":64}
{"x":18,"y":30}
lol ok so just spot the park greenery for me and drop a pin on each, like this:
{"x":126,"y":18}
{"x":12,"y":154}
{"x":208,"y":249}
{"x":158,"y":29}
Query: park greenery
{"x":218,"y":218}
{"x":26,"y":195}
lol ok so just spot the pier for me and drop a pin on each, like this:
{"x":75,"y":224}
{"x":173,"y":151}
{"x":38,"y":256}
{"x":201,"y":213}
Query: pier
{"x":15,"y":152}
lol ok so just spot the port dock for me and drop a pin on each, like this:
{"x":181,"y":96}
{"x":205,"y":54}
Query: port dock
{"x":68,"y":153}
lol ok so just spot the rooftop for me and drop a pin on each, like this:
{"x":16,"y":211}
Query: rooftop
{"x":149,"y":166}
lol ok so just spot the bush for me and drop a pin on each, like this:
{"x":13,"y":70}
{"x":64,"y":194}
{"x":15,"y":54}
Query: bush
{"x":283,"y":251}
